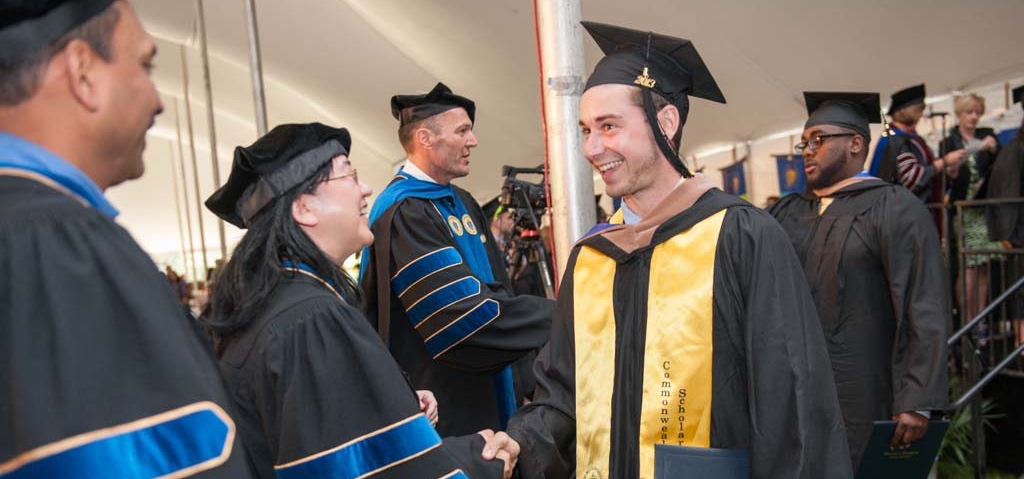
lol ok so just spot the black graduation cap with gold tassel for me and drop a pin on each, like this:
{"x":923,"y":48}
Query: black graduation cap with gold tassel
{"x":667,"y":66}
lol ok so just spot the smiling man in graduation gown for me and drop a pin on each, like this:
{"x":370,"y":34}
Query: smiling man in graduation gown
{"x":688,"y":320}
{"x":872,"y":258}
{"x":103,"y":374}
{"x":435,"y":283}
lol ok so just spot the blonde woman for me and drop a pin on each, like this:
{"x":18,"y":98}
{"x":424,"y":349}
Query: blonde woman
{"x":970,"y":182}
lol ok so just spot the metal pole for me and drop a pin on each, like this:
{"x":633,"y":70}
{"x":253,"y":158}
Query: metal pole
{"x":184,"y":187}
{"x":256,"y":69}
{"x":210,"y":120}
{"x":177,"y":212}
{"x":560,"y":42}
{"x":195,"y":164}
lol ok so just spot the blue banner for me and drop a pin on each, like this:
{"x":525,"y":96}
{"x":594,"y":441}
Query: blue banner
{"x":791,"y":174}
{"x":734,"y":180}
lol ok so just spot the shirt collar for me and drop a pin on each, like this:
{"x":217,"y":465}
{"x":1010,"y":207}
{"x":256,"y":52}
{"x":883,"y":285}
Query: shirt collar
{"x":18,"y":153}
{"x":414,"y":171}
{"x":631,"y":218}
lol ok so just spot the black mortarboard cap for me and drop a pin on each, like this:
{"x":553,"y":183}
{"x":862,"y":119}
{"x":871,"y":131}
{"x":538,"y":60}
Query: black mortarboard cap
{"x":412,"y":108}
{"x":668,"y":66}
{"x":277,"y":162}
{"x":1018,"y":94}
{"x":29,"y":25}
{"x":673,"y":66}
{"x":908,"y":96}
{"x":853,"y":110}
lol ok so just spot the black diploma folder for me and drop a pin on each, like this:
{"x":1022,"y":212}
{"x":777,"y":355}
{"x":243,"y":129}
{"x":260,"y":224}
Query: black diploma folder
{"x":682,"y":462}
{"x":915,"y":462}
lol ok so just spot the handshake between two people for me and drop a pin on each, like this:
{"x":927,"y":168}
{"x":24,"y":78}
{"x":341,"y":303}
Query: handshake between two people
{"x":497,"y":445}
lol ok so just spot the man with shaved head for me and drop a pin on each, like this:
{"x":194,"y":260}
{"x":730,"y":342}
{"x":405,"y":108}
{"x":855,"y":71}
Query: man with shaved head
{"x":103,"y":375}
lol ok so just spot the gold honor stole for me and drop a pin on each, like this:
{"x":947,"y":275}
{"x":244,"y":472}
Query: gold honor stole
{"x":676,"y":406}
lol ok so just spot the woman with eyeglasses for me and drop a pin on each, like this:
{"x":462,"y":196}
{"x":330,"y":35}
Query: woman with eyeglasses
{"x":316,"y":392}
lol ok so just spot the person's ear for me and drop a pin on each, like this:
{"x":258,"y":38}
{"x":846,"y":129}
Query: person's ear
{"x":305,"y":209}
{"x":424,"y":137}
{"x":668,"y":121}
{"x":857,"y":145}
{"x":81,"y":65}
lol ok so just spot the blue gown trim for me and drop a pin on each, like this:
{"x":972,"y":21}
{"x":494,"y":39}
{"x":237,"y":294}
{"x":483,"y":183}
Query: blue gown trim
{"x":378,"y":450}
{"x":422,"y":267}
{"x":176,"y":443}
{"x":22,"y":154}
{"x":441,"y":298}
{"x":463,"y":327}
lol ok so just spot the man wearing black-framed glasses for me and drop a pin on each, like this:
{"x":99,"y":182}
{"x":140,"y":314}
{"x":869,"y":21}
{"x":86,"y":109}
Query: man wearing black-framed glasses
{"x":872,"y":258}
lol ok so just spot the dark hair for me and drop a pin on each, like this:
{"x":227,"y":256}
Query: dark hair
{"x":21,"y":71}
{"x":659,"y":103}
{"x":405,"y":131}
{"x":246,"y":281}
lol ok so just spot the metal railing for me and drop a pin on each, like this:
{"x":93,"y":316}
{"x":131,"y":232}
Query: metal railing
{"x":981,"y":343}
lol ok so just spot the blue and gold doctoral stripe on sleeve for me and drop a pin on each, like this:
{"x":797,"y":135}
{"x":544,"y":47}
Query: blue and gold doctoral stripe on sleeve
{"x":369,"y":454}
{"x":420,"y":268}
{"x":441,"y":298}
{"x":463,"y":327}
{"x":174,"y":444}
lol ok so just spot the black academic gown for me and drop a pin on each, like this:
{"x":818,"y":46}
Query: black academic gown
{"x":93,"y":339}
{"x":1006,"y":222}
{"x":462,"y":377}
{"x":768,"y":378}
{"x":874,"y":264}
{"x":318,"y":395}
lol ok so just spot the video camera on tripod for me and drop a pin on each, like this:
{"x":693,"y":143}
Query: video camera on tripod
{"x":527,"y":203}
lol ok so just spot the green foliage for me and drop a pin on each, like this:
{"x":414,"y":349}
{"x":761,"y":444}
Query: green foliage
{"x":957,"y":451}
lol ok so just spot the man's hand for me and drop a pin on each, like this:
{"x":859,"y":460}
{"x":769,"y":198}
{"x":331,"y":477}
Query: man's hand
{"x":990,"y":143}
{"x":428,"y":405}
{"x":910,"y":426}
{"x":500,"y":445}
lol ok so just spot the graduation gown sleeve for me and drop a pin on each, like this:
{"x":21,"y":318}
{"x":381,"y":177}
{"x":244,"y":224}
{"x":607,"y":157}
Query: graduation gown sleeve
{"x":334,"y":404}
{"x":780,"y":374}
{"x":1006,"y":222}
{"x":912,"y":261}
{"x":902,"y":163}
{"x":464,"y":322}
{"x":546,"y":428}
{"x":94,"y":340}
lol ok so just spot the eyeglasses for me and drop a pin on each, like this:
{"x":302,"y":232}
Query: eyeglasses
{"x":354,"y":174}
{"x":815,"y":143}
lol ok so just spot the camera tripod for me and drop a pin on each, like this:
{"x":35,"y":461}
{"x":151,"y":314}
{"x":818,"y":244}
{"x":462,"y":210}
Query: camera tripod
{"x":529,"y":246}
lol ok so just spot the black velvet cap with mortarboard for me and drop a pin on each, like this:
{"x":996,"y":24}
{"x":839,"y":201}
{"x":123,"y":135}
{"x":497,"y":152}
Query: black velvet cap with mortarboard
{"x":667,"y":66}
{"x":26,"y":26}
{"x":853,"y":110}
{"x":908,"y":96}
{"x":412,"y":108}
{"x":282,"y":159}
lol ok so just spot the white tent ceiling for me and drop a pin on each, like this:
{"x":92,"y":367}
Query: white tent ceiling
{"x":339,"y":61}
